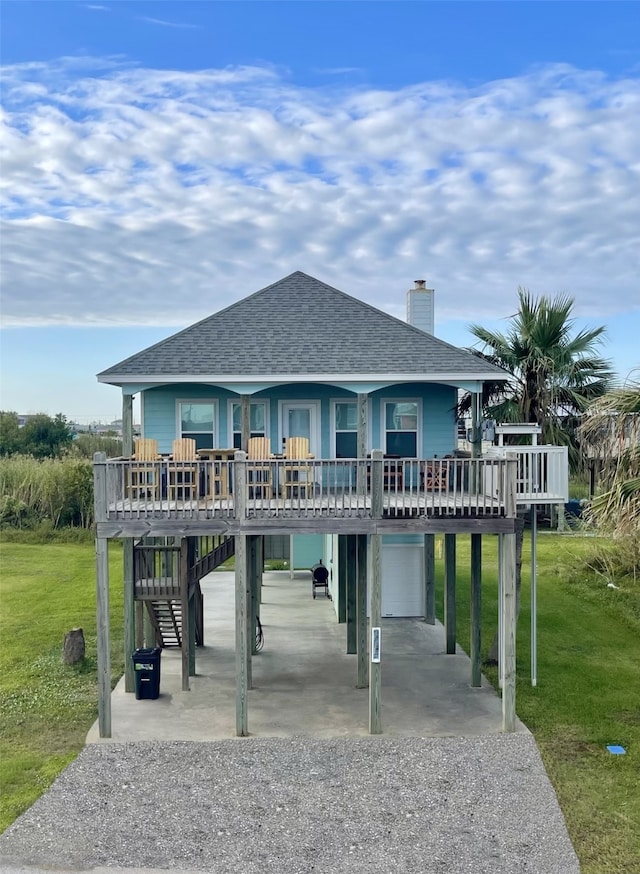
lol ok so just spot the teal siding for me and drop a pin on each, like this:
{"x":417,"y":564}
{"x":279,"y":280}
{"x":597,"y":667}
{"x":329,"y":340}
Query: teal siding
{"x":159,"y":411}
{"x":438,"y":412}
{"x":439,"y":436}
{"x":308,"y":549}
{"x":303,"y":392}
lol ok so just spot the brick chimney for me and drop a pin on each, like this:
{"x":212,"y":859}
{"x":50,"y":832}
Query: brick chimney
{"x":420,"y":306}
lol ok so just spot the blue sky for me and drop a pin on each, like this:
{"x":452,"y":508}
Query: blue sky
{"x":161,"y":160}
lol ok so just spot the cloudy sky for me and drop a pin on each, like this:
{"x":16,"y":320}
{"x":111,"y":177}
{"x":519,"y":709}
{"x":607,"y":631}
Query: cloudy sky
{"x":161,"y":160}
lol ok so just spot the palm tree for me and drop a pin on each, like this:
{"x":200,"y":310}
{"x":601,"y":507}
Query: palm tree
{"x":556,"y":373}
{"x":611,"y":432}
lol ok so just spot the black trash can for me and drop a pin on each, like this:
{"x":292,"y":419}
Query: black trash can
{"x":146,"y":668}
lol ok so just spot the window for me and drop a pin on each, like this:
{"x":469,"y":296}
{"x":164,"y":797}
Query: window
{"x":258,"y":424}
{"x":346,"y":430}
{"x":197,"y":420}
{"x":401,"y":429}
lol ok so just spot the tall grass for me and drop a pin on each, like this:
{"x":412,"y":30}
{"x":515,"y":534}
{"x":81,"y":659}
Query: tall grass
{"x":85,"y":445}
{"x":58,"y":492}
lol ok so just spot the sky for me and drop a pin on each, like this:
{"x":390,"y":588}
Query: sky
{"x":161,"y":160}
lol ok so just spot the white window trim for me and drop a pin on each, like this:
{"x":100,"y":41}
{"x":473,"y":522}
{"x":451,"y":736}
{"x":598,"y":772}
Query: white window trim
{"x":383,"y":421}
{"x":233,"y":401}
{"x":317,"y":450}
{"x":332,"y":422}
{"x":216,"y":424}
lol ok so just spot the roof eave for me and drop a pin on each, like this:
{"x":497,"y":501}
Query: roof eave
{"x":214,"y":378}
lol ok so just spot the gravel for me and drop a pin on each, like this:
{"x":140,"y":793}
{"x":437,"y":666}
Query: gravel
{"x":482,"y":805}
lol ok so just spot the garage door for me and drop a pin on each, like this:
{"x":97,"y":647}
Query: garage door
{"x":402,"y":575}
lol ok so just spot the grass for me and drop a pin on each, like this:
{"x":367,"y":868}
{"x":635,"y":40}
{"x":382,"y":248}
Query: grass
{"x":588,"y":692}
{"x":46,"y":707}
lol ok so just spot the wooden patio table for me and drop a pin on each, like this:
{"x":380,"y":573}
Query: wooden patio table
{"x":219,"y":484}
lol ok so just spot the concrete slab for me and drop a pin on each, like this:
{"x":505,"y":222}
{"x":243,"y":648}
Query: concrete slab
{"x":304,"y":683}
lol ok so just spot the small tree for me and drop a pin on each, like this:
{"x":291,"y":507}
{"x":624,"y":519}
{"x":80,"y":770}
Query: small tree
{"x":10,"y":437}
{"x":44,"y":437}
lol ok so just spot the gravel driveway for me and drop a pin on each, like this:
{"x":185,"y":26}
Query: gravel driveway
{"x":482,"y":805}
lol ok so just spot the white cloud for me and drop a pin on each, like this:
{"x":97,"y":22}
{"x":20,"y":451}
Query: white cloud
{"x":164,"y":23}
{"x":137,"y":196}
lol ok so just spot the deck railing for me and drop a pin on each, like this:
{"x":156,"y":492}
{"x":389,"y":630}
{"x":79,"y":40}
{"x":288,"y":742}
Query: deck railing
{"x":287,"y":489}
{"x":542,"y":472}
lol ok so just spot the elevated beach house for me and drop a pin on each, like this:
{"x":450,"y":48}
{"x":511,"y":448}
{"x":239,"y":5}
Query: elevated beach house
{"x":300,"y":411}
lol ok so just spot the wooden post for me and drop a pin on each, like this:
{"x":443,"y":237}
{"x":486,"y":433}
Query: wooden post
{"x":127,"y":427}
{"x":245,"y":421}
{"x":429,"y":579}
{"x":450,"y":592}
{"x":376,"y":484}
{"x":102,"y":635}
{"x":129,"y":613}
{"x":140,"y":610}
{"x":242,"y":644}
{"x":509,"y":632}
{"x":240,"y":484}
{"x":192,"y":557}
{"x":476,"y":610}
{"x":500,"y":610}
{"x":260,"y":572}
{"x":342,"y":578}
{"x":375,"y":668}
{"x":102,"y":596}
{"x":361,"y":450}
{"x":150,"y":634}
{"x":192,"y":634}
{"x":184,"y":609}
{"x":361,"y":611}
{"x":252,"y":563}
{"x":352,"y":629}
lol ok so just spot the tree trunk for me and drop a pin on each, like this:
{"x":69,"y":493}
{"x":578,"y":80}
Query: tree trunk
{"x":73,"y":648}
{"x":492,"y":655}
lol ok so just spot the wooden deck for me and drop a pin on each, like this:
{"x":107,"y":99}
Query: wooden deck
{"x":340,"y":496}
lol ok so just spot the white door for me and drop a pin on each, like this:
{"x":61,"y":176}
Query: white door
{"x":402,"y":580}
{"x":300,"y":419}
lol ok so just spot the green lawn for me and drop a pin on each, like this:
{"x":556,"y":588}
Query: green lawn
{"x":588,"y":692}
{"x":46,"y":708}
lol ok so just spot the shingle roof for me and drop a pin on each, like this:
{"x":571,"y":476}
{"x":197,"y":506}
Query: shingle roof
{"x":298,"y":326}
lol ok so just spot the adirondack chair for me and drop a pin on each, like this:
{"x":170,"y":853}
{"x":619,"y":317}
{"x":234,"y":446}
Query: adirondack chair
{"x":143,"y":481}
{"x":182,"y":470}
{"x":259,"y":469}
{"x":435,"y":476}
{"x":297,"y":473}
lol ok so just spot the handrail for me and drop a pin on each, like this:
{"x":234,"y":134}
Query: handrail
{"x":339,"y":488}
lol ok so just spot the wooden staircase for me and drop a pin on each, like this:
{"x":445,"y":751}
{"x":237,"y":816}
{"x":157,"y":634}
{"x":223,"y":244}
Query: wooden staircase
{"x":157,"y":584}
{"x":166,"y":618}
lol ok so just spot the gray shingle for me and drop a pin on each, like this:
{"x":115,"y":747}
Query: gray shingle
{"x":299,"y":326}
